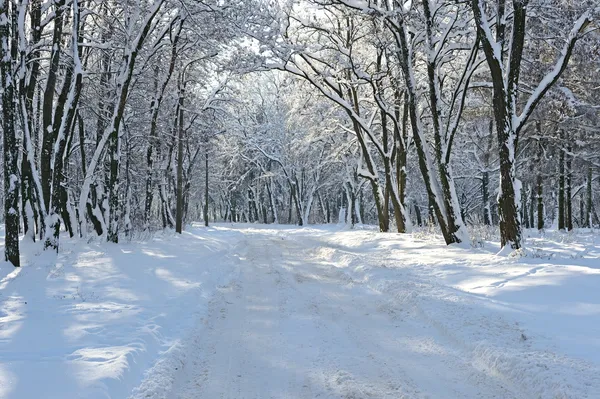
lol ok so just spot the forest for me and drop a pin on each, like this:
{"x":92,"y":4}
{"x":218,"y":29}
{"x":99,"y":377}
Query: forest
{"x":300,"y":199}
{"x":129,"y":116}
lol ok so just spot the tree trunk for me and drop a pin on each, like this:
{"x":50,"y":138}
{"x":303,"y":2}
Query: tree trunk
{"x":206,"y":186}
{"x":524,"y":211}
{"x":8,"y":53}
{"x":111,"y":137}
{"x":272,"y":203}
{"x":505,"y":82}
{"x":114,"y":150}
{"x":568,"y":189}
{"x":588,"y":199}
{"x":485,"y":181}
{"x":561,"y":184}
{"x":540,"y":202}
{"x":532,"y":207}
{"x":48,"y":104}
{"x":63,"y":129}
{"x":418,"y":215}
{"x":27,"y":86}
{"x":180,"y":131}
{"x":28,"y":209}
{"x":401,"y":161}
{"x":91,"y":204}
{"x":153,"y":137}
{"x":296,"y":202}
{"x":443,"y":202}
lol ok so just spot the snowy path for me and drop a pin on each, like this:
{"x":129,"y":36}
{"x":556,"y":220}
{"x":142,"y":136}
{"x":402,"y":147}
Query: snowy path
{"x":260,"y":312}
{"x":291,"y":325}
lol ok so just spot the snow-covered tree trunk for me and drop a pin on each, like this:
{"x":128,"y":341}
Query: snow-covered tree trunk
{"x":589,"y":198}
{"x":445,"y":204}
{"x":206,"y":184}
{"x":49,"y":104}
{"x":63,"y":129}
{"x":505,"y":81}
{"x":8,"y":53}
{"x":155,"y":105}
{"x":272,"y":202}
{"x":561,"y":184}
{"x":111,"y":139}
{"x":30,"y":190}
{"x":180,"y":138}
{"x":568,"y":188}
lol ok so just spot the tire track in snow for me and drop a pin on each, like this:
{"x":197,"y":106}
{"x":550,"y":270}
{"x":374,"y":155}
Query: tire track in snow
{"x":245,"y":329}
{"x":486,"y":342}
{"x":452,"y":362}
{"x":295,"y":325}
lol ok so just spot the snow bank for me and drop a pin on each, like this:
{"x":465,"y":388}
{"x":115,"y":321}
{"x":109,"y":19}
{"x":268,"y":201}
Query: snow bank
{"x":531,"y":322}
{"x":89,"y":322}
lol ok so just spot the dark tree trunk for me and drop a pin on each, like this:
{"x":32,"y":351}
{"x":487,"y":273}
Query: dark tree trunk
{"x":114,"y":150}
{"x":401,"y":159}
{"x":485,"y":181}
{"x":29,"y":199}
{"x":290,"y":206}
{"x":505,"y":82}
{"x":272,"y":203}
{"x":588,"y":199}
{"x":448,"y":218}
{"x":64,"y":124}
{"x":561,"y":184}
{"x":48,"y":130}
{"x":91,"y":203}
{"x":263,"y":207}
{"x":296,"y":197}
{"x":180,"y":131}
{"x":28,"y":208}
{"x":206,"y":186}
{"x":418,"y":215}
{"x":524,"y":211}
{"x":234,"y":212}
{"x":8,"y":53}
{"x":250,"y":206}
{"x":568,"y":188}
{"x":532,"y":208}
{"x":540,"y":202}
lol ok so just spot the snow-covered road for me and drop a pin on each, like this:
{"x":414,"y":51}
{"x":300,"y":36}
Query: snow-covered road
{"x":294,"y":323}
{"x":291,"y":326}
{"x":260,"y":312}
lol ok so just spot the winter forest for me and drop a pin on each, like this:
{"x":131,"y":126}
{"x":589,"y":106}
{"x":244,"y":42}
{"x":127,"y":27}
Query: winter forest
{"x":129,"y":116}
{"x":371,"y":125}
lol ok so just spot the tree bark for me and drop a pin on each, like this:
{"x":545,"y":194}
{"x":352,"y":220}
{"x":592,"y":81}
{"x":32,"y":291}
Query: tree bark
{"x":485,"y":193}
{"x":561,"y":183}
{"x":540,"y":202}
{"x":8,"y":53}
{"x":505,"y":82}
{"x":206,"y":186}
{"x":153,"y":136}
{"x":180,"y":131}
{"x":568,"y":189}
{"x":588,"y":199}
{"x":48,"y":131}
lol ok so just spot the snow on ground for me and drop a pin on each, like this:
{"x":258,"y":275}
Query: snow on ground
{"x":90,"y":322}
{"x":250,"y":311}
